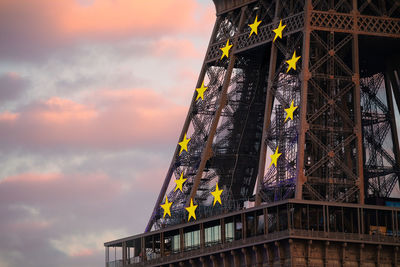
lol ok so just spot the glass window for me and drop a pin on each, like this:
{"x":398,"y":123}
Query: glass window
{"x":176,"y":244}
{"x":212,"y":235}
{"x":192,"y":240}
{"x":229,"y":236}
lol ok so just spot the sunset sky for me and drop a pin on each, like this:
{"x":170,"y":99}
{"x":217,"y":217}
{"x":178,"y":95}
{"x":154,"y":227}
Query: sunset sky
{"x":93,"y":95}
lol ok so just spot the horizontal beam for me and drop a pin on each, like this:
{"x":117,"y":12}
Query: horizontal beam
{"x":320,"y":20}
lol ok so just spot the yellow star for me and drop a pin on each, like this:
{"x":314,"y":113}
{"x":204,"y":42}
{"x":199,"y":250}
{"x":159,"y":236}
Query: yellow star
{"x":292,"y":62}
{"x":200,"y":91}
{"x":278,"y":31}
{"x":166,"y":207}
{"x":225,"y":49}
{"x":290,"y":111}
{"x":184,"y":144}
{"x":217,"y":195}
{"x":254,"y":26}
{"x":274,"y":157}
{"x":179,"y":182}
{"x":191,"y":209}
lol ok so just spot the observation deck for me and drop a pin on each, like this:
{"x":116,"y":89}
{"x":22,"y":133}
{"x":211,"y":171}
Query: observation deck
{"x":289,"y":233}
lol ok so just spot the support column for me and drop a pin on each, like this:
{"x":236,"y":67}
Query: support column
{"x":270,"y":254}
{"x":247,"y":257}
{"x":124,"y":262}
{"x":281,"y":255}
{"x":343,"y":260}
{"x":259,"y":256}
{"x":326,"y":253}
{"x":181,"y":240}
{"x":236,"y":259}
{"x":305,"y":76}
{"x":378,"y":255}
{"x":214,"y":260}
{"x":396,"y":250}
{"x":225,"y":260}
{"x":308,"y":257}
{"x":357,"y":108}
{"x":107,"y":255}
{"x":143,"y":249}
{"x":361,"y":256}
{"x":222,"y":223}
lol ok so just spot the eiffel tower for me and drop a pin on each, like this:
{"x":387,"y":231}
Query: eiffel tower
{"x":330,"y":199}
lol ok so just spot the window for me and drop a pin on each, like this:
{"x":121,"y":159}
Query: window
{"x":229,"y":232}
{"x":212,"y":235}
{"x":192,"y":240}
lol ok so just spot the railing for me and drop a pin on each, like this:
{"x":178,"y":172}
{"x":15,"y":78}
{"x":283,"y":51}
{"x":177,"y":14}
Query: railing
{"x":219,"y":247}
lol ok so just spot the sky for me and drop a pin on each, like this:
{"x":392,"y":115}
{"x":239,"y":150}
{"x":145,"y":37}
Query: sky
{"x":93,"y":96}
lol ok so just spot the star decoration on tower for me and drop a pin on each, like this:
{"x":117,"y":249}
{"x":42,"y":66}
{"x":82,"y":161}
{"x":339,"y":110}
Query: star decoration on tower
{"x":217,"y":195}
{"x":191,"y":209}
{"x":278,"y":31}
{"x":184,"y":144}
{"x":225,"y":49}
{"x":166,"y":207}
{"x":200,"y":91}
{"x":290,"y":111}
{"x":254,"y":26}
{"x":274,"y":157}
{"x":292,"y":62}
{"x":179,"y":183}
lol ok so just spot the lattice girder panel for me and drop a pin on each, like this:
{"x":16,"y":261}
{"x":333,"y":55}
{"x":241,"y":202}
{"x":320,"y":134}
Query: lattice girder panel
{"x":359,"y":24}
{"x":265,"y":35}
{"x":381,"y":169}
{"x":330,"y":160}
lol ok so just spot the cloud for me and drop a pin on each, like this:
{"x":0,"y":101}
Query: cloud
{"x":63,"y":219}
{"x":37,"y":29}
{"x":87,"y":244}
{"x":107,"y":119}
{"x":171,"y":47}
{"x":38,"y":188}
{"x":12,"y":86}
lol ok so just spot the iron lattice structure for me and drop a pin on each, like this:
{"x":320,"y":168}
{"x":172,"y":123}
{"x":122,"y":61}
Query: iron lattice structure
{"x":342,"y":144}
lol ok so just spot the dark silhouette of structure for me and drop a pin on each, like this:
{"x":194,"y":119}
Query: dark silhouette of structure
{"x":331,"y":198}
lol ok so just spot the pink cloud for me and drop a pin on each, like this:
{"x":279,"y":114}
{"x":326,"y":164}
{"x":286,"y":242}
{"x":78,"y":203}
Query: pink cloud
{"x":126,"y":17}
{"x":175,"y":48}
{"x":39,"y":188}
{"x":48,"y":25}
{"x":82,"y":253}
{"x":110,"y":118}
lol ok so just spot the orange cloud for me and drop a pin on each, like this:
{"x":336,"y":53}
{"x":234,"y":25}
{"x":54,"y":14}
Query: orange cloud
{"x":48,"y":25}
{"x":127,"y":16}
{"x":8,"y":116}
